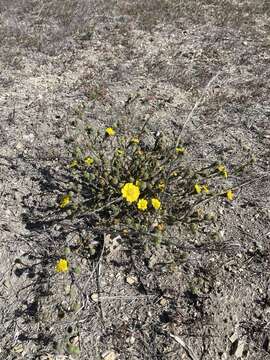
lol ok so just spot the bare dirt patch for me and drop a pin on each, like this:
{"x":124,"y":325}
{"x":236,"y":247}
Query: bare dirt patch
{"x":68,"y":64}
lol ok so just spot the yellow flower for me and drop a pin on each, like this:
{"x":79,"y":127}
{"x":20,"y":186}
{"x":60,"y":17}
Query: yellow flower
{"x":222,"y":169}
{"x":110,"y":131}
{"x":135,"y":140}
{"x":142,"y":204}
{"x":180,"y":150}
{"x":61,"y":265}
{"x":198,"y":188}
{"x":88,"y":161}
{"x":230,"y":195}
{"x":130,"y":192}
{"x":156,"y":203}
{"x":205,"y":188}
{"x":64,"y":201}
{"x":73,"y":164}
{"x":174,"y":173}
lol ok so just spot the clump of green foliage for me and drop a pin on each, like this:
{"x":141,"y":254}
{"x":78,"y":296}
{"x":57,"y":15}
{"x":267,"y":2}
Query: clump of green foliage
{"x":121,"y":181}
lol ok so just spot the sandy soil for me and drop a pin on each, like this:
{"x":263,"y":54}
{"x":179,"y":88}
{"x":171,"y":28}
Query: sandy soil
{"x":67,"y":64}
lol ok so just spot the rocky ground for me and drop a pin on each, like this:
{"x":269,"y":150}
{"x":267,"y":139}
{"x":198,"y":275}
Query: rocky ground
{"x":201,"y":67}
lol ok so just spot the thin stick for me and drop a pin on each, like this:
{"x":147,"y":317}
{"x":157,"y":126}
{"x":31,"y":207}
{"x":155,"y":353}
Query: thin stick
{"x":96,"y":267}
{"x":102,"y":207}
{"x":189,"y":351}
{"x":127,"y":297}
{"x":198,"y":102}
{"x":98,"y":274}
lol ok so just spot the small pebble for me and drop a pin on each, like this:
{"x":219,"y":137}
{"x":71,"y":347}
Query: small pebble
{"x":109,"y":355}
{"x":131,"y":280}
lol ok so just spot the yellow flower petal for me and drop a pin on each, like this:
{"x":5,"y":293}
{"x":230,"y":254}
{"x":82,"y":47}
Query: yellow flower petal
{"x":230,"y":195}
{"x":61,"y":265}
{"x":156,"y":203}
{"x":135,"y":140}
{"x":65,"y":201}
{"x":73,"y":164}
{"x":205,"y":188}
{"x":180,"y":150}
{"x":110,"y":131}
{"x":88,"y":161}
{"x":198,"y":188}
{"x":142,"y":204}
{"x":222,"y":169}
{"x":130,"y":192}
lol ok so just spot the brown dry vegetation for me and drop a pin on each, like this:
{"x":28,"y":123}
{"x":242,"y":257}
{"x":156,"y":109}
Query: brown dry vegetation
{"x":67,"y":64}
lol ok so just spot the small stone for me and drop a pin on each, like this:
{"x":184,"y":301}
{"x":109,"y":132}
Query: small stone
{"x":95,"y":297}
{"x":240,"y":349}
{"x":163,"y":301}
{"x":74,"y":340}
{"x":76,"y":307}
{"x":19,"y":146}
{"x":131,"y":280}
{"x":48,"y":357}
{"x":125,"y":318}
{"x":222,"y":233}
{"x":67,"y":289}
{"x":233,"y":338}
{"x":152,"y":262}
{"x":18,"y":348}
{"x":132,"y":340}
{"x":6,"y":283}
{"x":109,"y":355}
{"x":29,"y":137}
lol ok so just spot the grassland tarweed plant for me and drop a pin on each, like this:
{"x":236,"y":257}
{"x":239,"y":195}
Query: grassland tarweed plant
{"x":121,"y":183}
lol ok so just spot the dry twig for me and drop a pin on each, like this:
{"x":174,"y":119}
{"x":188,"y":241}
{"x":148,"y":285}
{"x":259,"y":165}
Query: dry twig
{"x":189,"y":351}
{"x":198,"y":102}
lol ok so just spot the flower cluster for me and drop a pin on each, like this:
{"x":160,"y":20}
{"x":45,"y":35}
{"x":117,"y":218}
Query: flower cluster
{"x":201,"y":188}
{"x":131,"y":193}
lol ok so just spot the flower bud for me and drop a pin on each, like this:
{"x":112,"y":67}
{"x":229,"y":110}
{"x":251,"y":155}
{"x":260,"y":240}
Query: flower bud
{"x":115,"y":181}
{"x":143,"y":185}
